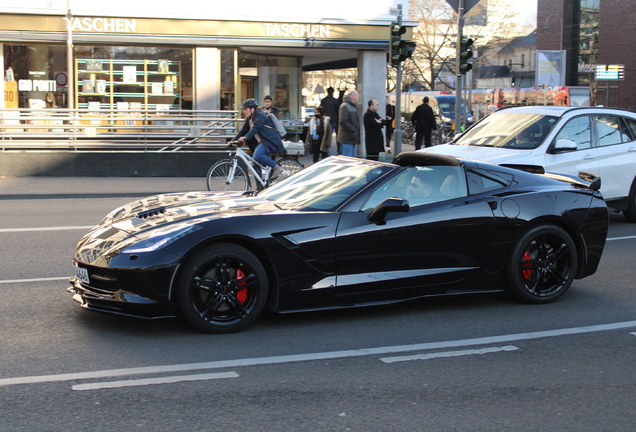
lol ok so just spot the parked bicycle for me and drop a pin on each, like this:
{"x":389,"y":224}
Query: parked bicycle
{"x":408,"y":133}
{"x":442,"y":135}
{"x":232,"y":174}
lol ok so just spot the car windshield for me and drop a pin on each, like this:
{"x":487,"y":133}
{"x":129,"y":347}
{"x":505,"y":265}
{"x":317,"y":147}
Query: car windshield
{"x":509,"y":130}
{"x":325,"y":185}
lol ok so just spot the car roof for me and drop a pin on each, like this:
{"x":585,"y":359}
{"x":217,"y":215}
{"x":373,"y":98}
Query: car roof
{"x":558,"y":111}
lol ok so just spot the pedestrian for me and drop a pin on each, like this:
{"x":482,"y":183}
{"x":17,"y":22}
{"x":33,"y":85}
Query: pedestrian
{"x":268,"y":108}
{"x":373,"y":124}
{"x":349,"y":124}
{"x":319,"y":134}
{"x":257,"y":125}
{"x":424,"y":122}
{"x":390,"y":120}
{"x":331,"y":105}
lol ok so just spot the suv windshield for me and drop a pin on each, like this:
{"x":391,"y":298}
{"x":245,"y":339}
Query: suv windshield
{"x":509,"y":130}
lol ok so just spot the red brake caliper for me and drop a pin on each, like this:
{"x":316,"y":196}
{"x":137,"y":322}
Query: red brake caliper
{"x":241,"y":294}
{"x":526,"y":273}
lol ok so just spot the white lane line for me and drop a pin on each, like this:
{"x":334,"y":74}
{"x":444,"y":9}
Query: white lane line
{"x":59,"y":228}
{"x":151,"y":381}
{"x":621,"y":238}
{"x":490,"y":340}
{"x":447,"y":354}
{"x":34,"y":280}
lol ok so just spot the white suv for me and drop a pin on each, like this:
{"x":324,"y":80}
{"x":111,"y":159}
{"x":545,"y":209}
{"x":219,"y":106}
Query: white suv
{"x":561,"y":140}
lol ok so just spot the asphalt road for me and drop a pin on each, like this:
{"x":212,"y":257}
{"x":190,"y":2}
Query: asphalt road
{"x":473,"y":363}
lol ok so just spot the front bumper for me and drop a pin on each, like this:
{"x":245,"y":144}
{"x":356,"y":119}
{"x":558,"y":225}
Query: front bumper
{"x":119,"y":301}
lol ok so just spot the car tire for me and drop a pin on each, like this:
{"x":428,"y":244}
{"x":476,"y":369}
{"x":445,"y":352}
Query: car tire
{"x":630,"y":213}
{"x":542,"y":265}
{"x":222,"y":289}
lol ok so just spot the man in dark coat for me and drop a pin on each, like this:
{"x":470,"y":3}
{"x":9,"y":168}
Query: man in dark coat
{"x":331,"y":106}
{"x":424,"y":122}
{"x":373,"y":125}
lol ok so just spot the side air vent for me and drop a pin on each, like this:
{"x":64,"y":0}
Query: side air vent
{"x":149,"y":214}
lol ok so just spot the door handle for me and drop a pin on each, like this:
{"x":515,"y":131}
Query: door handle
{"x":631,"y":149}
{"x":589,"y":157}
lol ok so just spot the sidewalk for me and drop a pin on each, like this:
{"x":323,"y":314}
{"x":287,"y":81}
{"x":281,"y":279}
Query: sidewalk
{"x":108,"y":187}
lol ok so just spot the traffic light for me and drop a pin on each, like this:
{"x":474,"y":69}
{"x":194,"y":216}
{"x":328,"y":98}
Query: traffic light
{"x":465,"y":55}
{"x":397,"y":44}
{"x":409,"y":48}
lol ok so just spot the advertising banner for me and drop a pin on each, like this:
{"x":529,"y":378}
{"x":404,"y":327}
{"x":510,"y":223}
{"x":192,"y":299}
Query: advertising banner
{"x":550,"y":68}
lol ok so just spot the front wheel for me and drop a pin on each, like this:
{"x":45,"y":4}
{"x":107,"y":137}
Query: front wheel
{"x":222,"y":289}
{"x":224,"y":177}
{"x":542,"y":265}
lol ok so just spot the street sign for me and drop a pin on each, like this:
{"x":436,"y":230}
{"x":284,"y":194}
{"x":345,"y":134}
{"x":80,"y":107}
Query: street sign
{"x":394,"y":11}
{"x":610,"y":72}
{"x":468,"y":4}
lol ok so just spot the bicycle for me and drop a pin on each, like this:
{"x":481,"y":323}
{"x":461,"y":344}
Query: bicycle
{"x":408,"y":133}
{"x":443,"y":134}
{"x":229,"y":175}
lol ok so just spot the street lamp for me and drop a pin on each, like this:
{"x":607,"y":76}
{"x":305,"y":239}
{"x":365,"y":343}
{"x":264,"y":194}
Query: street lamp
{"x":561,"y":33}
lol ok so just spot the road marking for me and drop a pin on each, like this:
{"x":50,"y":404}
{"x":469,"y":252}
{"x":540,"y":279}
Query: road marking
{"x":447,"y":354}
{"x":59,"y":228}
{"x":315,"y":356}
{"x":621,"y":238}
{"x":151,"y":381}
{"x":34,"y":280}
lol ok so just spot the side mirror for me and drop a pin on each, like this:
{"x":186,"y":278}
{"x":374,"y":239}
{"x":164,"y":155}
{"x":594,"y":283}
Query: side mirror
{"x":389,"y":205}
{"x":563,"y":145}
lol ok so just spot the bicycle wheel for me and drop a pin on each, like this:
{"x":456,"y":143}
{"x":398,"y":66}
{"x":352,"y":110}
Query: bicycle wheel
{"x":290,"y":166}
{"x":218,"y":178}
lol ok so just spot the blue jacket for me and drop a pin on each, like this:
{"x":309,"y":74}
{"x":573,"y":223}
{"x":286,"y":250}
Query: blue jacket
{"x":264,"y":127}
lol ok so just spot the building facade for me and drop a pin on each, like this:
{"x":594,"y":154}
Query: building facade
{"x":116,"y":55}
{"x":592,"y":32}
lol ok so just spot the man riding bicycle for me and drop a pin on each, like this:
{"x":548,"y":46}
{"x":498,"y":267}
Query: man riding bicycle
{"x":258,"y":126}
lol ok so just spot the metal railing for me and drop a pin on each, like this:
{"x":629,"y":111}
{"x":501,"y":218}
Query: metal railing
{"x":116,"y":130}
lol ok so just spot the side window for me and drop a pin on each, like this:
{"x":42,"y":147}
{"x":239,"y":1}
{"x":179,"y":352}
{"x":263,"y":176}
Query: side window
{"x":610,"y":131}
{"x":422,"y":185}
{"x":480,"y":180}
{"x":578,"y":130}
{"x":631,"y":124}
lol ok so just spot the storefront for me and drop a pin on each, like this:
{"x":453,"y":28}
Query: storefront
{"x":170,"y":64}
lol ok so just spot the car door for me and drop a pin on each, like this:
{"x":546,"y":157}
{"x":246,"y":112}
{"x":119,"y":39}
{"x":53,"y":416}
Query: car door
{"x":425,"y":250}
{"x":584,"y":158}
{"x":616,"y":155}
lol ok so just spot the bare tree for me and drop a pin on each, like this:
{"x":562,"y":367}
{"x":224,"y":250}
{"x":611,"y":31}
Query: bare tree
{"x":436,"y":37}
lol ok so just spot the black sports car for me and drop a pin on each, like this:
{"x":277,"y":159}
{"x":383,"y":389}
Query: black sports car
{"x":344,"y":232}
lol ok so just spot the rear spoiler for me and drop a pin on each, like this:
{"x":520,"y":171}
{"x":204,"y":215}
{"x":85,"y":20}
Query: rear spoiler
{"x":593,"y":180}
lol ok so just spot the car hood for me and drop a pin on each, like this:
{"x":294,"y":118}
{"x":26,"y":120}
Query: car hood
{"x":159,"y":215}
{"x":161,"y":210}
{"x":494,"y":155}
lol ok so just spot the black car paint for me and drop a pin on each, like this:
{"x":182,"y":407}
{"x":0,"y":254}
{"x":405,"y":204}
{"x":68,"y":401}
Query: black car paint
{"x":331,"y":259}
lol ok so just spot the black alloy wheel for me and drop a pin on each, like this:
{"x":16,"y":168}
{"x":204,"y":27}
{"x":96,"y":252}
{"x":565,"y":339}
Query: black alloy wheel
{"x":542,"y":265}
{"x":222,"y":289}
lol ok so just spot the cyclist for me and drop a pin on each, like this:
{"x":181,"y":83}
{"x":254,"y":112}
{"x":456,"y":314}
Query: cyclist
{"x":258,"y":126}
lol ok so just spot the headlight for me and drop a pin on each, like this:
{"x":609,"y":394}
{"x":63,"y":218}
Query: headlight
{"x":160,"y":239}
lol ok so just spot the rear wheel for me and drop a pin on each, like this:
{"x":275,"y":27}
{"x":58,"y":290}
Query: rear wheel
{"x":218,"y":179}
{"x":222,"y":289}
{"x":291,"y":166}
{"x":542,"y":265}
{"x":630,"y":213}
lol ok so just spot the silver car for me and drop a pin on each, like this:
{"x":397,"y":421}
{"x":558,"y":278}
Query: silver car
{"x":563,"y":140}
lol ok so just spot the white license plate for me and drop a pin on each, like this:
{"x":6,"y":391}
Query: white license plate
{"x":82,"y":275}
